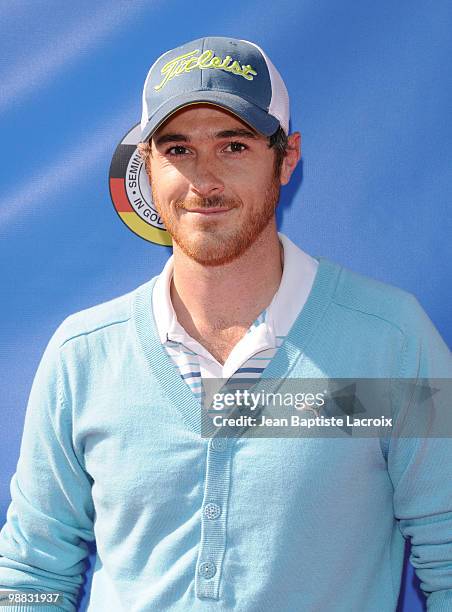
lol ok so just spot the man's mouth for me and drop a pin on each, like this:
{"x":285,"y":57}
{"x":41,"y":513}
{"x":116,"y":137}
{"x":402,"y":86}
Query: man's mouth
{"x":209,"y":210}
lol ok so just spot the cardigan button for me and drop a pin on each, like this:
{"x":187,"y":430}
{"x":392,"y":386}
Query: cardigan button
{"x":207,"y":569}
{"x":212,"y":511}
{"x":219,"y":444}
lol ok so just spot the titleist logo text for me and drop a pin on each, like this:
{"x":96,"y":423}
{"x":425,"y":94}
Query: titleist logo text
{"x":192,"y":60}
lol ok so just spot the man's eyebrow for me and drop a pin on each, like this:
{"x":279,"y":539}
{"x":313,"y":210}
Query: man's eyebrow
{"x":235,"y":133}
{"x":171,"y":138}
{"x":238,"y":133}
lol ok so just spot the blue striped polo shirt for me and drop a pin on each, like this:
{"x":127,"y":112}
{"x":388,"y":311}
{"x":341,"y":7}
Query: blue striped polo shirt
{"x":254,"y":351}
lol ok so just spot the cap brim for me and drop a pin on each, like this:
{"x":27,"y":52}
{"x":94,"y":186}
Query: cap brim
{"x":251,"y":114}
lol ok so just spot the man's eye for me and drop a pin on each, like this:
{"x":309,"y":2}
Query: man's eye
{"x":236,"y":147}
{"x":177,"y":150}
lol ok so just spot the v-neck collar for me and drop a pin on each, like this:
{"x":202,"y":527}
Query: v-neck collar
{"x":165,"y":371}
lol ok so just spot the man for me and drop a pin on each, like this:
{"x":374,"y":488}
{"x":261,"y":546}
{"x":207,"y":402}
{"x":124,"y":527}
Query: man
{"x":112,"y":448}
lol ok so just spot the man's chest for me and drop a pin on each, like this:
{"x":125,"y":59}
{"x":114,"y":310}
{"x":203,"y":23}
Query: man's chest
{"x":145,"y":463}
{"x":220,"y":343}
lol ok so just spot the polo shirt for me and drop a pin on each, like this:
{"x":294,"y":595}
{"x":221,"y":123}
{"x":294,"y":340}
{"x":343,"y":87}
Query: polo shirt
{"x":254,"y":351}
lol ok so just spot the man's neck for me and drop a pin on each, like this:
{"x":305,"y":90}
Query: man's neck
{"x":216,"y":305}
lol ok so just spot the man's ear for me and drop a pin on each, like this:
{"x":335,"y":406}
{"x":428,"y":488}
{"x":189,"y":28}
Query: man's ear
{"x":291,"y":158}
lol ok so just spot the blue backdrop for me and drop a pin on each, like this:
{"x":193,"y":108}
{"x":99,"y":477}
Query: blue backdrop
{"x":370,"y":91}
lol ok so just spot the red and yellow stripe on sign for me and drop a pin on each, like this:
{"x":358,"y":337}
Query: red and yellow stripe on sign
{"x":143,"y":229}
{"x":119,"y":195}
{"x":132,"y":219}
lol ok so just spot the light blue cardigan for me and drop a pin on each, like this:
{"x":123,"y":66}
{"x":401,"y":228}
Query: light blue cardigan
{"x":112,"y":452}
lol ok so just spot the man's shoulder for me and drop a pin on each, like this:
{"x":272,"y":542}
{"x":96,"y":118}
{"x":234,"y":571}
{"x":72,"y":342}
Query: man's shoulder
{"x":103,"y":317}
{"x":367,"y":296}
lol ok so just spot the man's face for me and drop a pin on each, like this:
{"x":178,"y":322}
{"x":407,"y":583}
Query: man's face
{"x":213,"y":183}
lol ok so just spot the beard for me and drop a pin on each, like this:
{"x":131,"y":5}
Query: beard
{"x":214,"y":245}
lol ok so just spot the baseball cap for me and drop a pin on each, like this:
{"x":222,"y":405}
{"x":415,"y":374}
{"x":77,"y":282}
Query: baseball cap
{"x":234,"y":74}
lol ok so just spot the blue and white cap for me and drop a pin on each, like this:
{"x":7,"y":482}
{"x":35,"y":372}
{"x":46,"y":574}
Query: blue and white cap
{"x":234,"y":74}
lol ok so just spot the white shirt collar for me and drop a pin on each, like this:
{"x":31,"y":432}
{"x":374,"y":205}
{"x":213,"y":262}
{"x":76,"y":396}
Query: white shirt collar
{"x":164,"y":314}
{"x":298,"y":276}
{"x":297,"y":279}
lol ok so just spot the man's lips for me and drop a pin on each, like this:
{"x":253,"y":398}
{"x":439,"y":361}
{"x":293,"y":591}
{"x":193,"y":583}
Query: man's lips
{"x":208,"y":211}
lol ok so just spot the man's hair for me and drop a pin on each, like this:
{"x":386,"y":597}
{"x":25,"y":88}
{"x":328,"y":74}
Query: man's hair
{"x":278,"y":141}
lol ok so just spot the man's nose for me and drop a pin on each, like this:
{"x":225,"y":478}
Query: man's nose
{"x":206,"y":180}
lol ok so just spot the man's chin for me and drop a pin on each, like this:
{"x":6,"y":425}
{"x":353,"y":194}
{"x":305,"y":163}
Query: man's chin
{"x":216,"y":249}
{"x":210,"y":257}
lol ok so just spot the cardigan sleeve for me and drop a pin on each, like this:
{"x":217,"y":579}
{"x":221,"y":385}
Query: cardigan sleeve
{"x":420,"y":464}
{"x":44,"y":543}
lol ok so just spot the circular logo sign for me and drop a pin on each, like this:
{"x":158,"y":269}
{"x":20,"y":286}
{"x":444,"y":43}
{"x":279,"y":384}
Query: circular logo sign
{"x":131,"y":193}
